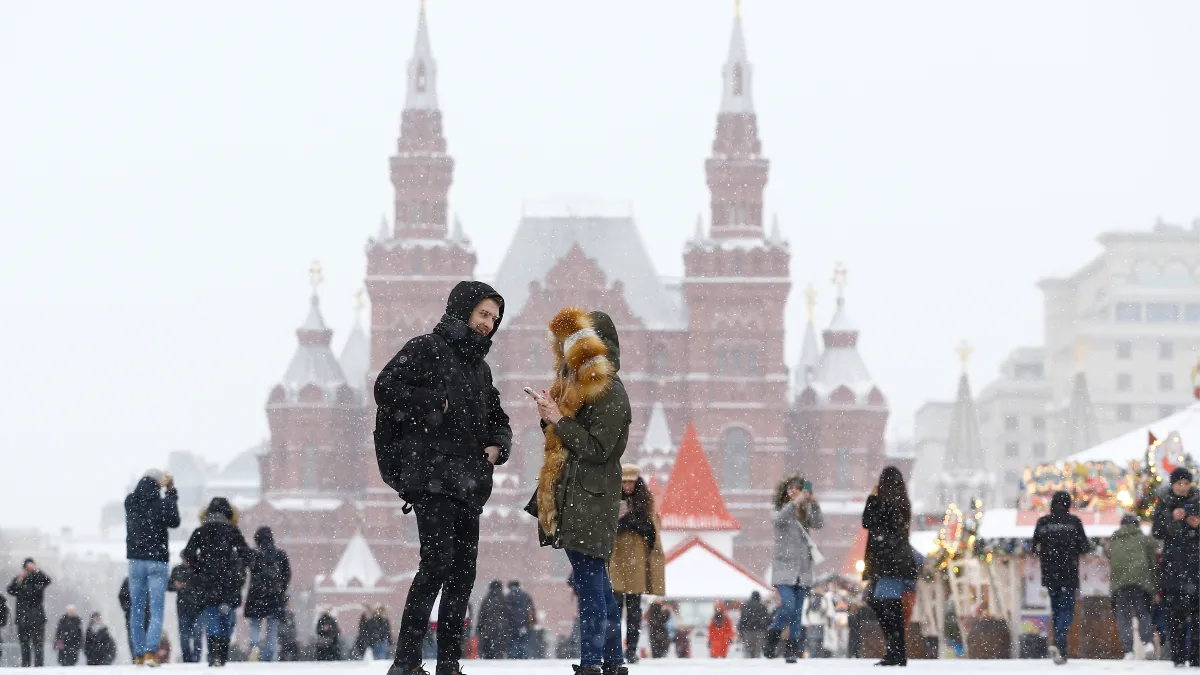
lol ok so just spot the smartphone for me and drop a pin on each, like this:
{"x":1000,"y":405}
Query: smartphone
{"x":536,"y":396}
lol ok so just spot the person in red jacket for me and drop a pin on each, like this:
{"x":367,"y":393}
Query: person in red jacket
{"x":720,"y":633}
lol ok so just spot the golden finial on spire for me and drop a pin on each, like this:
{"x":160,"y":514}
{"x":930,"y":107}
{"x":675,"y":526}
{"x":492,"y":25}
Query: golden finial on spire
{"x":737,"y":8}
{"x":839,"y":280}
{"x":810,"y":301}
{"x":315,"y":277}
{"x":964,"y":351}
{"x":360,"y":301}
{"x":1081,"y":350}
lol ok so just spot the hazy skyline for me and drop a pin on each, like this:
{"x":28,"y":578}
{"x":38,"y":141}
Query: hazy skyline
{"x":168,"y":173}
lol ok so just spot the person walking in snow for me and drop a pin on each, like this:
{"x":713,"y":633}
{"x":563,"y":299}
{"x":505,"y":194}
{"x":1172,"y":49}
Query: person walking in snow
{"x":150,"y":511}
{"x":720,"y":633}
{"x":888,"y":561}
{"x":329,"y":637}
{"x":219,"y":554}
{"x":523,"y":616}
{"x":29,"y":589}
{"x":1177,"y":524}
{"x":795,"y":556}
{"x":270,"y":576}
{"x":99,"y":648}
{"x":1059,"y":540}
{"x":753,"y":624}
{"x":1132,"y":558}
{"x":439,"y":431}
{"x":657,"y":618}
{"x":188,"y":609}
{"x":494,"y":627}
{"x":586,"y":417}
{"x":68,"y":637}
{"x":638,"y":564}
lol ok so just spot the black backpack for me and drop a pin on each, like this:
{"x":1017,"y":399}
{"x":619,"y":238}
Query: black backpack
{"x":271,"y":572}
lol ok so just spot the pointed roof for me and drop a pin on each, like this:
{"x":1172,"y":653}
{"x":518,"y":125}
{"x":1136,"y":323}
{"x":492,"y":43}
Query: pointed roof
{"x":736,"y":76}
{"x":313,"y":363}
{"x":692,"y":500}
{"x":1081,"y":415}
{"x":358,"y":563}
{"x":840,"y":365}
{"x":355,"y":358}
{"x":697,"y":571}
{"x":964,"y":447}
{"x":422,"y":71}
{"x":657,"y":439}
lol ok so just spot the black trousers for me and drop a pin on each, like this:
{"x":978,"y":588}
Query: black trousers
{"x":69,"y":656}
{"x":33,"y":644}
{"x":449,"y":533}
{"x":891,"y":620}
{"x":1185,"y":616}
{"x":630,"y":606}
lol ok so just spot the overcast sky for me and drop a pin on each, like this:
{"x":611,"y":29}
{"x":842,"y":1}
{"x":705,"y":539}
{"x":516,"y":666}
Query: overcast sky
{"x":168,"y":171}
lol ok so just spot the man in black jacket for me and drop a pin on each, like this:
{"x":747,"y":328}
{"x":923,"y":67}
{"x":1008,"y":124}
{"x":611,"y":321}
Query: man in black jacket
{"x":148,"y":516}
{"x":188,"y":609}
{"x":68,"y":637}
{"x":1177,"y":524}
{"x":439,"y":431}
{"x":29,"y":589}
{"x":1059,"y":540}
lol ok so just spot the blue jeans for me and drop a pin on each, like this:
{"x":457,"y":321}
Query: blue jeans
{"x":147,"y":579}
{"x":518,"y":647}
{"x":380,"y":651}
{"x":791,"y":605}
{"x":266,"y":650}
{"x":190,"y":635}
{"x":1062,"y":611}
{"x":219,"y":624}
{"x":599,"y":618}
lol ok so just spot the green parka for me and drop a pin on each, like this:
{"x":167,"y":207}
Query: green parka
{"x":1131,"y":555}
{"x":589,"y":496}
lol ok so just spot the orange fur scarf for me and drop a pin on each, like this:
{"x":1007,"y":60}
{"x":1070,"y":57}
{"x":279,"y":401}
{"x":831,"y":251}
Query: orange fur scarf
{"x":583,"y":376}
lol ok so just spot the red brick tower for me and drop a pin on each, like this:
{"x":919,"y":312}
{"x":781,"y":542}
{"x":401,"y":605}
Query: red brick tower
{"x":736,"y":285}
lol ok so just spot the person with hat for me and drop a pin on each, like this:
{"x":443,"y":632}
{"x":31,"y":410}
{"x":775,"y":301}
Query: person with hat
{"x":29,"y":589}
{"x":638,"y":564}
{"x":1131,"y":557}
{"x":795,"y":557}
{"x":439,"y":431}
{"x":1059,"y":540}
{"x":150,"y":511}
{"x":523,"y":615}
{"x":218,"y":552}
{"x":1177,"y":524}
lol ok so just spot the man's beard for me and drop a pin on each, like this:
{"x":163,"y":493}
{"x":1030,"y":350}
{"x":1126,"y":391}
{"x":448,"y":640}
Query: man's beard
{"x":480,"y":329}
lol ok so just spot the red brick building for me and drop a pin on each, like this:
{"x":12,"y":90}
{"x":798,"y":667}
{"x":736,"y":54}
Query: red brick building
{"x":705,"y":350}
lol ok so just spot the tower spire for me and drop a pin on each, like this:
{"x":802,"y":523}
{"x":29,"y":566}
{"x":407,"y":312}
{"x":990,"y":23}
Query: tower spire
{"x":736,"y":75}
{"x":422,"y":70}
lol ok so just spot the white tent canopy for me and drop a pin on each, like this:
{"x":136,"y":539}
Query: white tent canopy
{"x":1131,"y":445}
{"x":695,"y":571}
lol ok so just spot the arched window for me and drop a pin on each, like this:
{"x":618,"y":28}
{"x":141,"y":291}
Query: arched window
{"x":308,"y":466}
{"x":751,"y":363}
{"x":722,"y":360}
{"x":735,"y":474}
{"x":737,"y":365}
{"x":421,"y":77}
{"x":737,"y":79}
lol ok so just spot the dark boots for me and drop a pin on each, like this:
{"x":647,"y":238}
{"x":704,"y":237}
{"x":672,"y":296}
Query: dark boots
{"x":891,"y":620}
{"x":791,"y":651}
{"x":398,"y":669}
{"x":588,"y":670}
{"x":772,"y":643}
{"x":218,"y":652}
{"x":614,"y":670}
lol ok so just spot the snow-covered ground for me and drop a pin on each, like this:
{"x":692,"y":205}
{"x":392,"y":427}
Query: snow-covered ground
{"x":681,"y":667}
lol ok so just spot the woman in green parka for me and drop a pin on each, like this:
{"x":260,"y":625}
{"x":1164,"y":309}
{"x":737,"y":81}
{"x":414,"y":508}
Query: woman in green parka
{"x":585,"y":417}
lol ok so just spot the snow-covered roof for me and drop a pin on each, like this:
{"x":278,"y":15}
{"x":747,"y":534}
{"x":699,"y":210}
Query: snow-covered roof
{"x":616,"y":246}
{"x":657,"y":439}
{"x":1132,"y":445}
{"x":840,"y":365}
{"x":313,"y":362}
{"x":305,"y":504}
{"x":355,"y":359}
{"x":697,"y":571}
{"x":692,"y":501}
{"x":358,"y":563}
{"x":810,"y":355}
{"x":964,"y":447}
{"x":421,"y":91}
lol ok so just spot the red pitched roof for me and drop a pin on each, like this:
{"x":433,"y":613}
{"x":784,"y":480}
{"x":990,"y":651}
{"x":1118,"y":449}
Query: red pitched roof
{"x":692,"y":500}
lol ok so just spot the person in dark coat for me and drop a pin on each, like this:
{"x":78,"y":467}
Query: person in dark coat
{"x":377,"y":632}
{"x":523,"y":615}
{"x":586,"y":415}
{"x":148,"y":517}
{"x":494,"y":626}
{"x":753,"y":624}
{"x":329,"y":637}
{"x":219,"y":554}
{"x":29,"y":589}
{"x":1059,"y":540}
{"x":289,"y":643}
{"x":188,"y":608}
{"x":657,"y":617}
{"x":1177,"y":524}
{"x":439,"y":432}
{"x":270,"y":576}
{"x":68,"y":637}
{"x":3,"y":619}
{"x":99,"y":648}
{"x":888,"y":561}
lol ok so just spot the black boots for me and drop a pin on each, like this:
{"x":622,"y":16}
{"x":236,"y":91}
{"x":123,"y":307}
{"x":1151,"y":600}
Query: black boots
{"x":614,"y":670}
{"x":588,"y":670}
{"x":398,"y":669}
{"x":891,"y":620}
{"x":218,"y":652}
{"x":791,"y":651}
{"x":631,"y":655}
{"x":772,"y":643}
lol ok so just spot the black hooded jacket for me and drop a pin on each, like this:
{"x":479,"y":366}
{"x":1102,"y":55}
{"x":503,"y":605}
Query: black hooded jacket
{"x":1059,"y":540}
{"x":147,"y":519}
{"x":1179,"y":568}
{"x":270,"y":576}
{"x":218,"y":552}
{"x":30,"y":594}
{"x":439,"y":410}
